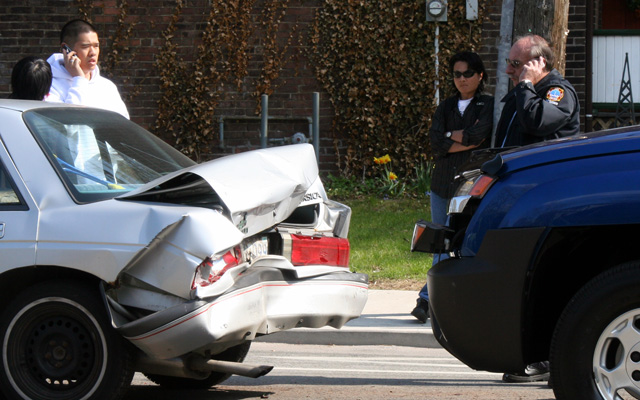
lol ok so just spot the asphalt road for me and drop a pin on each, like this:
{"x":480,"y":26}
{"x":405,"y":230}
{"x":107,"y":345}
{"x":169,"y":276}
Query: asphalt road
{"x":354,"y":372}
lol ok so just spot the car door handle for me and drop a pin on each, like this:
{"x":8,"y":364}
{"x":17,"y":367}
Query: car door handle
{"x":1,"y":230}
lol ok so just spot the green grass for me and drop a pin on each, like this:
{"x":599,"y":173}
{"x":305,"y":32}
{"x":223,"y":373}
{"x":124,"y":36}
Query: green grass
{"x":380,"y":238}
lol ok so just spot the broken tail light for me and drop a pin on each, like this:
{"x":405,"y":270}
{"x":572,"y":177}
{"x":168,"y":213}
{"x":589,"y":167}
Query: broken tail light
{"x":212,"y":268}
{"x":319,"y":250}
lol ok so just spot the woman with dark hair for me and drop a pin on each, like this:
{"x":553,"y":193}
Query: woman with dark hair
{"x":31,"y":79}
{"x":461,"y":123}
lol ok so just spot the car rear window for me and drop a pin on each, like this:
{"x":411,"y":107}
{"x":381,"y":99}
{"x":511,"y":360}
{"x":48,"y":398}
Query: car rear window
{"x":99,"y":154}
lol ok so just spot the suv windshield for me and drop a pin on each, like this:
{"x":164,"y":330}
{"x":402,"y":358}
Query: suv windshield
{"x":99,"y":154}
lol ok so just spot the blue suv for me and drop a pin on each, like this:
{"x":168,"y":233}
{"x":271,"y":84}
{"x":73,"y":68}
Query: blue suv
{"x":545,"y":263}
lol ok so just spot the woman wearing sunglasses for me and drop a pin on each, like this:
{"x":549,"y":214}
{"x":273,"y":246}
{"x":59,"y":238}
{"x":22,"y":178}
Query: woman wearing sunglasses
{"x":461,"y":123}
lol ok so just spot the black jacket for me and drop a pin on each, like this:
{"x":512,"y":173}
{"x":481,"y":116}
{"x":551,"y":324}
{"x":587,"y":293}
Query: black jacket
{"x":532,"y":114}
{"x":477,"y":123}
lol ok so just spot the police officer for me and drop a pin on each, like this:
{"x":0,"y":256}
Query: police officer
{"x":542,"y":105}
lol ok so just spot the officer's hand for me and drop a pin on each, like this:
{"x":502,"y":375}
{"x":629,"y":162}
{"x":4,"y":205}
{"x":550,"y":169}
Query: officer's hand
{"x":533,"y":70}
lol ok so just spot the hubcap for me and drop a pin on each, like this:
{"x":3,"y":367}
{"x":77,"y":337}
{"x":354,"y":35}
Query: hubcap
{"x":616,"y":359}
{"x":59,"y":352}
{"x":54,"y":349}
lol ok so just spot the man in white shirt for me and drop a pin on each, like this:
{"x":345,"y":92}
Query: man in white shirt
{"x":76,"y":76}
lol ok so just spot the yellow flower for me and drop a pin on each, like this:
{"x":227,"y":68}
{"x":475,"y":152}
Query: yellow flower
{"x":392,"y":176}
{"x":382,"y":160}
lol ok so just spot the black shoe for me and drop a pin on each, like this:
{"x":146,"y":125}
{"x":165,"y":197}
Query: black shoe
{"x":533,"y":373}
{"x":421,"y":311}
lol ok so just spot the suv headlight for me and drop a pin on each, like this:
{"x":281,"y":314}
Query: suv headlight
{"x":474,"y":184}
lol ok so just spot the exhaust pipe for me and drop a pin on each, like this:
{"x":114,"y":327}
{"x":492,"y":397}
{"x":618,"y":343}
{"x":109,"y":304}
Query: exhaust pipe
{"x":252,"y":371}
{"x":198,"y":367}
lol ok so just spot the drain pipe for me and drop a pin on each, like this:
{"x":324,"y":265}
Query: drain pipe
{"x":588,"y":87}
{"x":264,"y":121}
{"x":316,"y":124}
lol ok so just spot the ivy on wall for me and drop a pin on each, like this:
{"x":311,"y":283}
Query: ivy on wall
{"x":377,"y":62}
{"x":193,"y":88}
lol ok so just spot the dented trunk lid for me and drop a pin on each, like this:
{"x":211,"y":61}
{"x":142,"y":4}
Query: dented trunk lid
{"x":256,"y":190}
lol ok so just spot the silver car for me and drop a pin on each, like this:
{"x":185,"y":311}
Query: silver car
{"x":119,"y":254}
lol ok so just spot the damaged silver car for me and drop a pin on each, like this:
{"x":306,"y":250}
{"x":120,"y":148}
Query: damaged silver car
{"x":120,"y":254}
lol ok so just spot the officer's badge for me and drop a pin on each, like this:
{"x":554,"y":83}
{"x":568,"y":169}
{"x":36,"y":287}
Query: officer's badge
{"x":555,"y":94}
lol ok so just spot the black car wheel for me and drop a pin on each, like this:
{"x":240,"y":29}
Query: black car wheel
{"x":57,"y":343}
{"x":595,"y":351}
{"x":235,"y":354}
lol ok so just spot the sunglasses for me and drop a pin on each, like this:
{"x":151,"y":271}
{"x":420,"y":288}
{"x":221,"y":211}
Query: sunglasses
{"x":467,"y":74}
{"x":513,"y":63}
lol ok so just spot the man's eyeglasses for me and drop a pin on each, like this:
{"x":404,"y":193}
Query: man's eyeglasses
{"x":467,"y":74}
{"x":513,"y":63}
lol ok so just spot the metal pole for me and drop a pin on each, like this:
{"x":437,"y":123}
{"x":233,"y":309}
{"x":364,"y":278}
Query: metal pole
{"x":588,"y":83}
{"x":436,"y":83}
{"x":502,"y":80}
{"x":264,"y":121}
{"x":316,"y":124}
{"x":221,"y":132}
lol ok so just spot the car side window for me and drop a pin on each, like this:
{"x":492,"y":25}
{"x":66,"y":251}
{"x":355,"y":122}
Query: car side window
{"x":8,"y":195}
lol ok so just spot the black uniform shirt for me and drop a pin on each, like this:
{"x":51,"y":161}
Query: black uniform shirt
{"x":532,"y":114}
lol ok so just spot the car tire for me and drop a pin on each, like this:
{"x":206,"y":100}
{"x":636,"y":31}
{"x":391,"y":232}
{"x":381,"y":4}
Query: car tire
{"x":235,"y":354}
{"x":58,"y":343}
{"x":595,"y":350}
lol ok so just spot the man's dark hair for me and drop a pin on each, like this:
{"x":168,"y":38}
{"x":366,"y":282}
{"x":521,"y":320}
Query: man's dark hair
{"x":473,"y":63}
{"x":30,"y":79}
{"x":72,"y":29}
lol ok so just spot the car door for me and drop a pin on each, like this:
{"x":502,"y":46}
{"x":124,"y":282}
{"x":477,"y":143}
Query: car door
{"x":18,"y":218}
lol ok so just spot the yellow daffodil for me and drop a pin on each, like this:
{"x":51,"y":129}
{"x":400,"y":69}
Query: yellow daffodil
{"x":392,"y":176}
{"x":382,"y":160}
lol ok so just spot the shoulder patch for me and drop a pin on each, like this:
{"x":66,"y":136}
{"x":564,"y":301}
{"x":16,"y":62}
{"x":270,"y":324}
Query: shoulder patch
{"x":555,"y":94}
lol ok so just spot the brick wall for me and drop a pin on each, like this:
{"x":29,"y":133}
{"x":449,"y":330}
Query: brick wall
{"x":33,"y":28}
{"x":575,"y":70}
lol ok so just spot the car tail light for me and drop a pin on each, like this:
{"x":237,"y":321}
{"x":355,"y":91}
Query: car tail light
{"x":212,"y":268}
{"x":319,"y":250}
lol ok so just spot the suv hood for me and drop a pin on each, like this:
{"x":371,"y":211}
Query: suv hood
{"x":622,"y":140}
{"x":273,"y":182}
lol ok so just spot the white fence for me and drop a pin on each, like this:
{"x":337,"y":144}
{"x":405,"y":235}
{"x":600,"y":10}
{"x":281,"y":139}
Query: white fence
{"x":608,"y":64}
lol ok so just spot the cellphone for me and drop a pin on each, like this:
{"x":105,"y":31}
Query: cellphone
{"x":66,"y":48}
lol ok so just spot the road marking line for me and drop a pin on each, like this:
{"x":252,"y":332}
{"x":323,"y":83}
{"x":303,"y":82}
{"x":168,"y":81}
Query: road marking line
{"x":374,"y":371}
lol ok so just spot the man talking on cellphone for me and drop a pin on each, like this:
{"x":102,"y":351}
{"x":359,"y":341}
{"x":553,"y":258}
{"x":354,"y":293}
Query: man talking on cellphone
{"x":76,"y":76}
{"x":542,"y":104}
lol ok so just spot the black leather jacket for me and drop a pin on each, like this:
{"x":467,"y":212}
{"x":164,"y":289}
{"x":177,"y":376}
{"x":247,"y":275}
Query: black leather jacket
{"x":477,"y":123}
{"x":532,"y":114}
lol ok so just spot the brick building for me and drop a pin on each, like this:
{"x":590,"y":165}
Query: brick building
{"x":132,"y":31}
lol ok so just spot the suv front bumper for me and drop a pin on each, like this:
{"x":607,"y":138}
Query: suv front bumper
{"x":477,"y":302}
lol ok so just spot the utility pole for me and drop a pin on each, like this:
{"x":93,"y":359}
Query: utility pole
{"x":547,"y":18}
